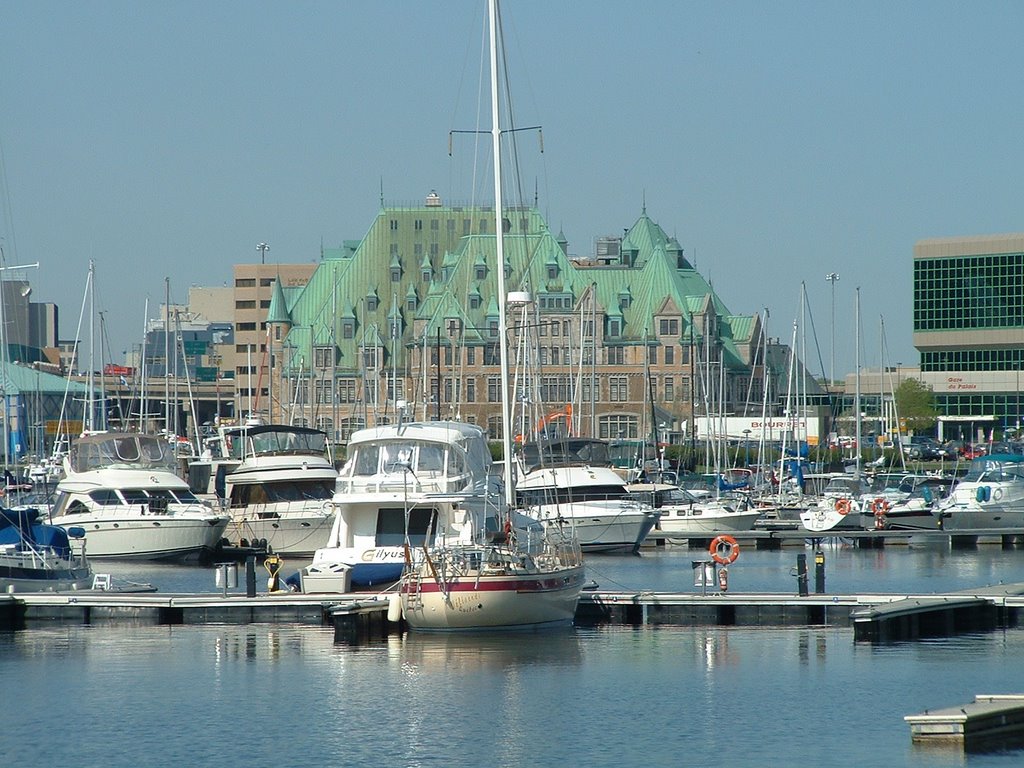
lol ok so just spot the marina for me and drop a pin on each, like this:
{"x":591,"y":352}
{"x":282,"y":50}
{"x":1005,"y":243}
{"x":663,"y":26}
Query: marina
{"x":656,"y":638}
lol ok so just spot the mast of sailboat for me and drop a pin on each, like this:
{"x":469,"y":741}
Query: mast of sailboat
{"x":143,"y":404}
{"x":856,"y":396}
{"x":167,"y":355}
{"x":506,"y":420}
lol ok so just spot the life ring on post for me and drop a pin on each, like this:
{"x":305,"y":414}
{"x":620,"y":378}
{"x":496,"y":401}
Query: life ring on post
{"x":843,"y":506}
{"x":724,"y":550}
{"x":880,"y":506}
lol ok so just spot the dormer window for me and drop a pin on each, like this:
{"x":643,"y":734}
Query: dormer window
{"x":480,"y":272}
{"x":372,"y":302}
{"x":396,"y":274}
{"x":614,"y":326}
{"x":348,"y":329}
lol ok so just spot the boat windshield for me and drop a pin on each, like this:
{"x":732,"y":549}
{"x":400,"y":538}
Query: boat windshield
{"x":993,"y":470}
{"x":263,"y":441}
{"x":121,"y":451}
{"x":390,"y":457}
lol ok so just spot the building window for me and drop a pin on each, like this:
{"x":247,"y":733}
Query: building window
{"x":617,"y":427}
{"x":618,"y":389}
{"x":669,"y":389}
{"x":670,"y":355}
{"x":494,"y":428}
{"x":323,"y":357}
{"x":245,"y":282}
{"x":394,"y":225}
{"x":470,"y":390}
{"x":372,"y":302}
{"x":348,"y":329}
{"x":493,"y":389}
{"x":346,"y":390}
{"x":470,"y":355}
{"x":652,"y":355}
{"x":245,"y":304}
{"x":418,"y":225}
{"x":615,"y":355}
{"x":245,"y":326}
{"x":668,"y":327}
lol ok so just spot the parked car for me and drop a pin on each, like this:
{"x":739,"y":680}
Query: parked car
{"x":925,"y":449}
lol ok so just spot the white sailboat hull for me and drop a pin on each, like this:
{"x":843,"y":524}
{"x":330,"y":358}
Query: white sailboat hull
{"x":493,"y":602}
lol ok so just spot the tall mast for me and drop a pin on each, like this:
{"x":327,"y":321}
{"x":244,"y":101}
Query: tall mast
{"x":506,"y":421}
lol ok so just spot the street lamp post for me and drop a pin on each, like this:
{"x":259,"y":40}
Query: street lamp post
{"x":832,"y":277}
{"x":263,"y":248}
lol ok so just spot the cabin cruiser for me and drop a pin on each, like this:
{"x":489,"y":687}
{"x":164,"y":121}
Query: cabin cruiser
{"x":122,"y":490}
{"x":989,"y":496}
{"x":570,"y":481}
{"x":683,"y":514}
{"x":417,"y":482}
{"x":922,"y":495}
{"x":279,"y":487}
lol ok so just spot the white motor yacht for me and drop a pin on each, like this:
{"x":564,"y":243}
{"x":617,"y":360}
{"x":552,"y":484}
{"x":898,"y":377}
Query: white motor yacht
{"x":990,"y":495}
{"x":420,"y":481}
{"x":279,"y":492}
{"x":569,"y":481}
{"x":122,"y":490}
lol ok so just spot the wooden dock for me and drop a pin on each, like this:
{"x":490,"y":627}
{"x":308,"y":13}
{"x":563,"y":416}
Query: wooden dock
{"x":876,"y":618}
{"x":989,"y":722}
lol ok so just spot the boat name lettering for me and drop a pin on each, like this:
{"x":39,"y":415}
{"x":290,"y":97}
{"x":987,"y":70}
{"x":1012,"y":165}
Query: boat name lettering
{"x":466,"y":603}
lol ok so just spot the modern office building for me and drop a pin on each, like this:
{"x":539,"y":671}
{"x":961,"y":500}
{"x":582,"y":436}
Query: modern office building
{"x":969,"y":329}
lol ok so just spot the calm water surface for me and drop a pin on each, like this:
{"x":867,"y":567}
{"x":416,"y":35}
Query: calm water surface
{"x":282,"y":695}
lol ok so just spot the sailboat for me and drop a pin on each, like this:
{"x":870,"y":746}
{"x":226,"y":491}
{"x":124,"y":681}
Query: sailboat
{"x":500,"y":579}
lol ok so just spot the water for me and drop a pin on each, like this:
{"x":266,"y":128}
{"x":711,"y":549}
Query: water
{"x":273,"y":695}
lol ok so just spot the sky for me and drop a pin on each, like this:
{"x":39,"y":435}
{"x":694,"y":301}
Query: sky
{"x":778,"y":141}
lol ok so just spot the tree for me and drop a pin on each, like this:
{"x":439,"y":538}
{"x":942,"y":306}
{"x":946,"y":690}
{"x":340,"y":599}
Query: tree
{"x":915,"y":404}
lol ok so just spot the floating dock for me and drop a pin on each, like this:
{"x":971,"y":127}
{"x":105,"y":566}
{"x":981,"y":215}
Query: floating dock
{"x":990,"y":722}
{"x":875,"y":618}
{"x":777,"y":534}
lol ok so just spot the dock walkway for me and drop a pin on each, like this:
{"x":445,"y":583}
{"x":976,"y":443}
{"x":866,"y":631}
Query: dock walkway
{"x":877,"y":618}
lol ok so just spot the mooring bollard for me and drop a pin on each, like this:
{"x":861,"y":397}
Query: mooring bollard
{"x":801,"y":574}
{"x":819,"y":572}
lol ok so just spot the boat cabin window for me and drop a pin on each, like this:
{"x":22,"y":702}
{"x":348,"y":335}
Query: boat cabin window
{"x":281,"y":492}
{"x":431,"y":459}
{"x":456,"y":463}
{"x":105,"y":497}
{"x":366,"y":461}
{"x":185,"y":497}
{"x":391,"y":527}
{"x":134,"y":495}
{"x":542,"y":496}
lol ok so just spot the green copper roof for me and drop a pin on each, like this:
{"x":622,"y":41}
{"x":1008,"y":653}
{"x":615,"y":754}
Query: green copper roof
{"x":462,"y":240}
{"x":278,"y":311}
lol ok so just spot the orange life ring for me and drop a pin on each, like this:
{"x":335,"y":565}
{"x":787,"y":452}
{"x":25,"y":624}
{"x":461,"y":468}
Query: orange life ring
{"x":724,"y":550}
{"x":843,"y":506}
{"x":880,"y":506}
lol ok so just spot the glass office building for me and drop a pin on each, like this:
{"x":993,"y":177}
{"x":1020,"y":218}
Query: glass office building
{"x":969,"y":329}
